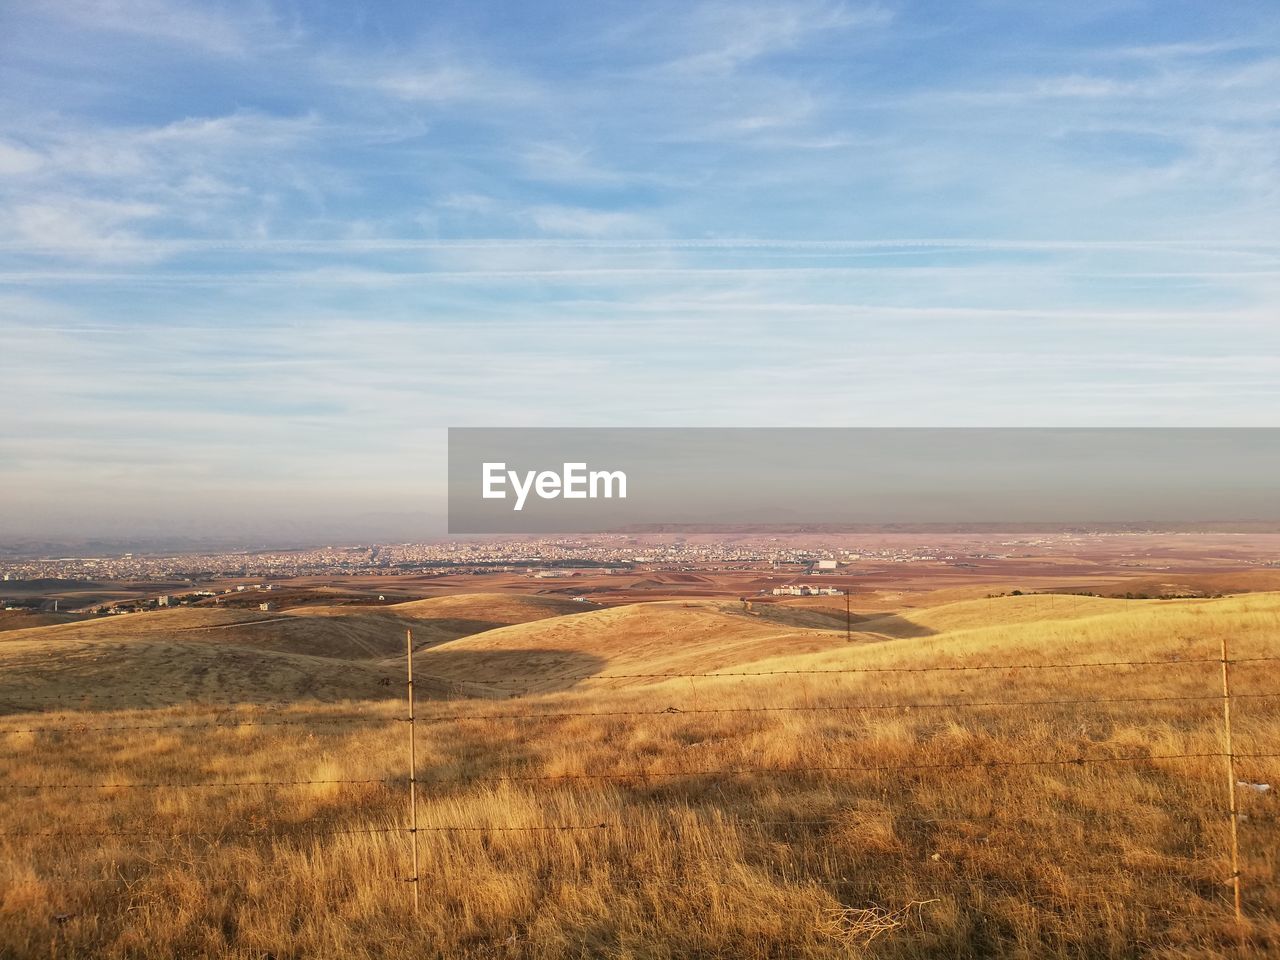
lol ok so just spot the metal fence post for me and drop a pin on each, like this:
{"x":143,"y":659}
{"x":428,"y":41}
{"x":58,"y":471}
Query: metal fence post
{"x":413,"y":776}
{"x":1231,"y":781}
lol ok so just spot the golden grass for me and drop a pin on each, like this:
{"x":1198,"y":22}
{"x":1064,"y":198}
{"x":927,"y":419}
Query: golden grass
{"x":662,"y":637}
{"x":505,"y":608}
{"x":175,"y":656}
{"x":664,"y":857}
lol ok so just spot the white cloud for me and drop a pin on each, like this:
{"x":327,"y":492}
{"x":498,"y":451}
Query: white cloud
{"x":187,"y":147}
{"x":91,"y":191}
{"x":583,"y":222}
{"x":468,"y":203}
{"x":194,"y":25}
{"x":731,"y":35}
{"x":562,"y":162}
{"x":98,"y":230}
{"x":1033,"y":90}
{"x":1187,"y":89}
{"x":1180,"y":51}
{"x":445,"y":83}
{"x":16,"y":159}
{"x":233,"y":130}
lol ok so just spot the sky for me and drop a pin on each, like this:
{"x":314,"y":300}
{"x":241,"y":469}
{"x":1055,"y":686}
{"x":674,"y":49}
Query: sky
{"x":256,"y":257}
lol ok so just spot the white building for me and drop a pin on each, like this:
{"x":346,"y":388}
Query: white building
{"x":805,"y":590}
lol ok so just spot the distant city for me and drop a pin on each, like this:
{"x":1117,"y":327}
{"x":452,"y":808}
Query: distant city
{"x":552,"y":556}
{"x":546,"y":557}
{"x":619,"y":568}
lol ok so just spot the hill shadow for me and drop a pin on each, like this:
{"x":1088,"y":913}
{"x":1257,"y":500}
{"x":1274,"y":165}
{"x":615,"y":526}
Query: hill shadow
{"x":893,"y":626}
{"x":237,"y":677}
{"x":509,"y":671}
{"x":833,"y":618}
{"x":433,"y":632}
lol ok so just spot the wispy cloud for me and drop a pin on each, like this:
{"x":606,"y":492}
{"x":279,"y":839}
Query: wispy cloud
{"x":725,"y":37}
{"x":566,"y":163}
{"x":95,"y":230}
{"x":446,"y":83}
{"x":581,"y":221}
{"x":202,"y":26}
{"x":183,"y":146}
{"x":1187,"y":50}
{"x":99,"y":192}
{"x":16,"y":159}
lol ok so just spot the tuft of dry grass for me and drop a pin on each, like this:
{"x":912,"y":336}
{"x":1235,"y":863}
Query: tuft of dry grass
{"x":743,"y":833}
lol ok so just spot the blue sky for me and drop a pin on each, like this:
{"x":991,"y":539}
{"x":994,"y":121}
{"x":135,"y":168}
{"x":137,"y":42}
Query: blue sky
{"x":258,"y":256}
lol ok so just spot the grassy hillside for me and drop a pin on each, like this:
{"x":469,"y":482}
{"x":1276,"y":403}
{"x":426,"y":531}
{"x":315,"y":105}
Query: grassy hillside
{"x":781,"y":815}
{"x":666,"y":637}
{"x":441,"y":619}
{"x":218,"y":654}
{"x":22,"y":619}
{"x":493,"y":608}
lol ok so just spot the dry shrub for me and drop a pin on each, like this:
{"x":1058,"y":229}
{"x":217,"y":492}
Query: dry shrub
{"x":859,"y":926}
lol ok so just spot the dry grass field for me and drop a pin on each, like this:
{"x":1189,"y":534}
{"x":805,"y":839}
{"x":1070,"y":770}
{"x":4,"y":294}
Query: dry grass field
{"x":847,"y":798}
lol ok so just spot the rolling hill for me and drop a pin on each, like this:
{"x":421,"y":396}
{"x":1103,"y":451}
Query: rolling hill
{"x":662,"y":637}
{"x":488,"y":645}
{"x":169,"y":657}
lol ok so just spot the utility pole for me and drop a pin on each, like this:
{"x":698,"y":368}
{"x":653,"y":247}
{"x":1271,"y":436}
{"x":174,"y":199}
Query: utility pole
{"x":848,"y":618}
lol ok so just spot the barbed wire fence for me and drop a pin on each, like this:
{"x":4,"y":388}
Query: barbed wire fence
{"x":413,"y":778}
